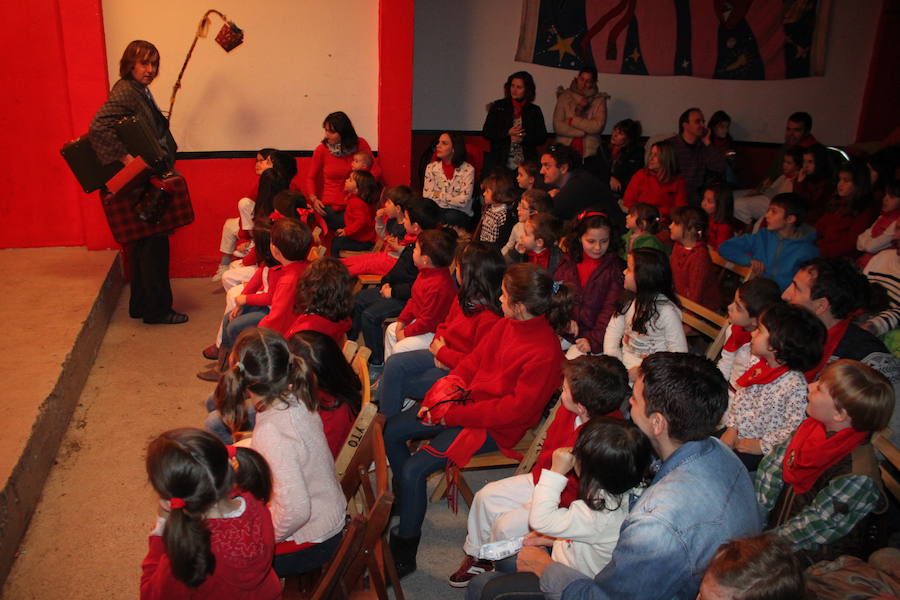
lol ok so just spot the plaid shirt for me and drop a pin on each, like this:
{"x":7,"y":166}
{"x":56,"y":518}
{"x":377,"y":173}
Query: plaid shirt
{"x":492,"y":220}
{"x":836,"y":509}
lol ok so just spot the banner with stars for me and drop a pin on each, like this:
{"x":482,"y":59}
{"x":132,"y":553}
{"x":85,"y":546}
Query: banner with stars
{"x":716,"y":39}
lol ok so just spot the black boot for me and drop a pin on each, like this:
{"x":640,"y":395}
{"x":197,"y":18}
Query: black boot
{"x":404,"y":552}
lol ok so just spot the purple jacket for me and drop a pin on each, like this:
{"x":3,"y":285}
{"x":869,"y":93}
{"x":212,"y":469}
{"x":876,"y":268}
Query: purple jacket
{"x":596,"y":302}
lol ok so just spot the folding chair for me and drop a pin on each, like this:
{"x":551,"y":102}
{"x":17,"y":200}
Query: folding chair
{"x":882,"y":442}
{"x":707,"y":322}
{"x":740,"y":270}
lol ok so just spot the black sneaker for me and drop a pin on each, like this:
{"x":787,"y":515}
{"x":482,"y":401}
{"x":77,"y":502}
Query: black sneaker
{"x":470,"y":568}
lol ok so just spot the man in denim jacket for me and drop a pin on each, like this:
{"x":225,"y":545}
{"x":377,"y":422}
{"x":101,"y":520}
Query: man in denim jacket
{"x":700,"y":497}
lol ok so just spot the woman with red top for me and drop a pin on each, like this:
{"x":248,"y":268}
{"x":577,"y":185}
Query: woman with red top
{"x":479,"y":271}
{"x":337,"y":386}
{"x":658,"y":183}
{"x":450,"y":180}
{"x":692,"y":268}
{"x":331,"y":163}
{"x":848,"y":213}
{"x":591,"y":267}
{"x":509,"y":378}
{"x":214,"y":538}
{"x":358,"y":232}
{"x":514,"y":125}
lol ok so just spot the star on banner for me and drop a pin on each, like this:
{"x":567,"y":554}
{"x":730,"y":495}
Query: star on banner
{"x":563,"y":46}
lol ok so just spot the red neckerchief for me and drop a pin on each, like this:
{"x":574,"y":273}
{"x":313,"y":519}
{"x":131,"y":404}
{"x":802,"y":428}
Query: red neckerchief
{"x":835,"y":335}
{"x":449,"y":170}
{"x":739,"y":336}
{"x":409,"y":238}
{"x":539,"y":258}
{"x":517,"y":107}
{"x":760,"y":374}
{"x":811,"y":452}
{"x":884,"y":221}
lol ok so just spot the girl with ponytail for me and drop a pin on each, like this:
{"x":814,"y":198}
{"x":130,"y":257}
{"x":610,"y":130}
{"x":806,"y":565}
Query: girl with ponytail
{"x":307,"y":503}
{"x":507,"y":381}
{"x":214,"y":537}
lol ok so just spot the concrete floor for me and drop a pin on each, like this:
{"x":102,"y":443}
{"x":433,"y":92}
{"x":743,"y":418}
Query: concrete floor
{"x":88,"y":535}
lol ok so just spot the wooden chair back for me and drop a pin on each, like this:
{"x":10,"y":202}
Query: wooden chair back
{"x":882,"y":442}
{"x":360,"y":365}
{"x":742,"y":271}
{"x":349,"y":349}
{"x":707,"y":322}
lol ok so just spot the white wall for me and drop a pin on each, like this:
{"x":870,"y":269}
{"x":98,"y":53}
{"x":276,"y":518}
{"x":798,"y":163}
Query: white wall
{"x":464,"y":51}
{"x":299,"y":62}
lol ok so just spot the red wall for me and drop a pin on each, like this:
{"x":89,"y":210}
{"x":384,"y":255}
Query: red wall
{"x":57,"y":78}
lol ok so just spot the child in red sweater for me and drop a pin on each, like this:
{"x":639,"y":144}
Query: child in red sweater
{"x":592,"y":268}
{"x":692,"y":268}
{"x":510,"y":377}
{"x":592,"y":386}
{"x":214,"y":538}
{"x":358,"y":232}
{"x":391,"y":235}
{"x":718,"y":203}
{"x":324,"y":300}
{"x":538,"y":242}
{"x":432,"y":294}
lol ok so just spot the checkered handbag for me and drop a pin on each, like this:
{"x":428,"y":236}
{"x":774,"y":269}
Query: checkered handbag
{"x":158,"y":206}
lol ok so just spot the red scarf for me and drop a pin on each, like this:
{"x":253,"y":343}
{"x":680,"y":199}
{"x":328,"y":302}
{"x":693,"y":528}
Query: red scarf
{"x":884,"y":221}
{"x":517,"y":105}
{"x":409,"y":238}
{"x":760,"y":374}
{"x":539,"y":258}
{"x":835,"y":335}
{"x":739,"y":336}
{"x":449,"y":170}
{"x":811,"y":452}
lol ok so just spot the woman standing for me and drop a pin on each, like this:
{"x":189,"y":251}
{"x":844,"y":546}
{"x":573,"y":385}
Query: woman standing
{"x":514,"y":125}
{"x":449,"y":180}
{"x":148,"y":258}
{"x":331,"y":164}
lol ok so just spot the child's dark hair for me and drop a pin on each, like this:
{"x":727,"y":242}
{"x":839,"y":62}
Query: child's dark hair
{"x":400,"y":195}
{"x":614,"y":457}
{"x":326,"y":289}
{"x":333,"y":373}
{"x":481,"y":268}
{"x":502,"y":186}
{"x":193,"y":466}
{"x":724,"y":197}
{"x":631,"y":129}
{"x":546,"y":228}
{"x":539,"y":201}
{"x":423,"y":212}
{"x":793,"y":206}
{"x":270,"y":183}
{"x":292,"y":238}
{"x":439,"y":245}
{"x":822,"y":162}
{"x":286,"y":203}
{"x":580,"y":225}
{"x":796,"y":154}
{"x":262,"y":239}
{"x":758,"y":568}
{"x":693,"y":220}
{"x":861,"y":196}
{"x":262,"y":363}
{"x":720,"y":116}
{"x":758,"y":294}
{"x":598,"y":383}
{"x":652,"y":277}
{"x":534,"y":288}
{"x":796,"y":335}
{"x":646,"y":217}
{"x":366,"y":186}
{"x":533,"y":169}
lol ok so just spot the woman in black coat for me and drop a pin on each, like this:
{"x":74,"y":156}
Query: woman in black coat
{"x":514,"y":125}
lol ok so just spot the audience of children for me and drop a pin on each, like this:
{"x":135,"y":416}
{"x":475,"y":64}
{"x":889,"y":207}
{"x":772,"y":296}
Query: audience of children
{"x":626,"y":154}
{"x":849,"y":212}
{"x":692,"y":267}
{"x":479,"y":271}
{"x":648,"y":318}
{"x":642,"y":223}
{"x":497,"y":216}
{"x":432,"y":294}
{"x":718,"y":203}
{"x":771,"y":395}
{"x":778,"y":250}
{"x":593,"y":387}
{"x":537,"y":243}
{"x":659,"y":183}
{"x":509,"y":376}
{"x":450,"y":180}
{"x":592,"y":269}
{"x":532,"y":202}
{"x":214,"y":537}
{"x":358,"y":232}
{"x":324,"y":300}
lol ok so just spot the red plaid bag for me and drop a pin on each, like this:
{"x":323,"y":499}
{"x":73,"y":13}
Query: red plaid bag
{"x":158,"y":206}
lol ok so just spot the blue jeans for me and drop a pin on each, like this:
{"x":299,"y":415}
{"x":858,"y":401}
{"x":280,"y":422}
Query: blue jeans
{"x":231,"y":328}
{"x":216,"y":426}
{"x":369,"y":312}
{"x":304,"y":561}
{"x":408,"y":374}
{"x":411,"y":471}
